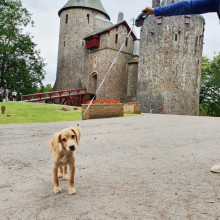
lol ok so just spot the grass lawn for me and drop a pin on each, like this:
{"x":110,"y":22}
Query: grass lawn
{"x":24,"y":112}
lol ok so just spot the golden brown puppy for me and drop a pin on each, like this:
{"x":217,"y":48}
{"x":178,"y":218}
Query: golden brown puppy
{"x":63,"y":146}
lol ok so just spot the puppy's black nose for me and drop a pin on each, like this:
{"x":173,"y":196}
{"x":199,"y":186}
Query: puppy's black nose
{"x":72,"y":148}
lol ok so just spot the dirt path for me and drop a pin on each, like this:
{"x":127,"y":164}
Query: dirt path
{"x":150,"y":167}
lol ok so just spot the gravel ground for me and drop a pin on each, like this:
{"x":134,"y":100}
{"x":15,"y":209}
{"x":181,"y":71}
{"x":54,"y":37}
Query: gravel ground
{"x":150,"y":167}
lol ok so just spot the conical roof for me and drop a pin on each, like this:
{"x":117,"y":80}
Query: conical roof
{"x":91,"y":4}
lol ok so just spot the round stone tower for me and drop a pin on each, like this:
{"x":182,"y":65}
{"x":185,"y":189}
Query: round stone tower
{"x":170,"y":64}
{"x":77,"y":20}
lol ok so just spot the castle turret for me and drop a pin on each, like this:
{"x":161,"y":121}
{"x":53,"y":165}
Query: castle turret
{"x":78,"y":18}
{"x":170,"y":64}
{"x":86,"y":4}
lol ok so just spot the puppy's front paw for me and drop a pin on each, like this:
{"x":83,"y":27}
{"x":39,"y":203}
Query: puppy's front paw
{"x":65,"y":177}
{"x":57,"y":189}
{"x":71,"y":191}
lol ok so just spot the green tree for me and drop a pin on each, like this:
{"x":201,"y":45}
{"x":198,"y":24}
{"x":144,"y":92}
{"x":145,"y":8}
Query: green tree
{"x":21,"y":67}
{"x":210,"y":86}
{"x":215,"y":71}
{"x":46,"y":88}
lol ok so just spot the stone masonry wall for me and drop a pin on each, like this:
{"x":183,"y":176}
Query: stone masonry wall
{"x":170,"y":65}
{"x":99,"y":60}
{"x":115,"y":86}
{"x":132,"y":77}
{"x":100,"y":23}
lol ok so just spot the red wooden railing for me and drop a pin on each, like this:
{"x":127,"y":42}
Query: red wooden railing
{"x":73,"y":97}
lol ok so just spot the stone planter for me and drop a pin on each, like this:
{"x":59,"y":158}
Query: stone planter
{"x":102,"y":111}
{"x":132,"y":109}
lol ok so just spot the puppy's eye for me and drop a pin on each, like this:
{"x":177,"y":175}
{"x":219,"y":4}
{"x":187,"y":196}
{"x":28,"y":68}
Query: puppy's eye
{"x":73,"y":136}
{"x":64,"y":139}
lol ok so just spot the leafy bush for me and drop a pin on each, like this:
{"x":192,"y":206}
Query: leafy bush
{"x":210,"y":86}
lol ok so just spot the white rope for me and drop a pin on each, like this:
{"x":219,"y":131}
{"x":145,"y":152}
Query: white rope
{"x":78,"y":124}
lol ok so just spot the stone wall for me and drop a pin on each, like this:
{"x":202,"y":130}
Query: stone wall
{"x":100,"y":23}
{"x":170,"y":65}
{"x":132,"y":70}
{"x":99,"y":61}
{"x":122,"y":32}
{"x":115,"y":86}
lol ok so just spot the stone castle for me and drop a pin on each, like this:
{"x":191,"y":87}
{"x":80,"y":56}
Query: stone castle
{"x":165,"y":73}
{"x":88,"y":45}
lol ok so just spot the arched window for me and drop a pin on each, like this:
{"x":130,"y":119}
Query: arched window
{"x":67,"y":18}
{"x":94,"y":82}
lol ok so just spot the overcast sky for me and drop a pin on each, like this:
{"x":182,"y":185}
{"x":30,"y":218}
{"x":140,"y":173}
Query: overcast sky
{"x":46,"y":30}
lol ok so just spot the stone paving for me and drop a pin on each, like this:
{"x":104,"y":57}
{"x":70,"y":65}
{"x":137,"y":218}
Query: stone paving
{"x":149,"y":167}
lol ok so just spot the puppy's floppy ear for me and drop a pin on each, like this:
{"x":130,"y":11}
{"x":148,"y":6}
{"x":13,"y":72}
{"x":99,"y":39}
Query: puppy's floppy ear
{"x":77,"y":132}
{"x":54,"y":142}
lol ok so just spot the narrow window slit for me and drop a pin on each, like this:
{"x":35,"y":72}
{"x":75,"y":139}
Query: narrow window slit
{"x":176,"y":37}
{"x":67,"y":17}
{"x":126,"y":43}
{"x":116,"y":38}
{"x":88,"y":18}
